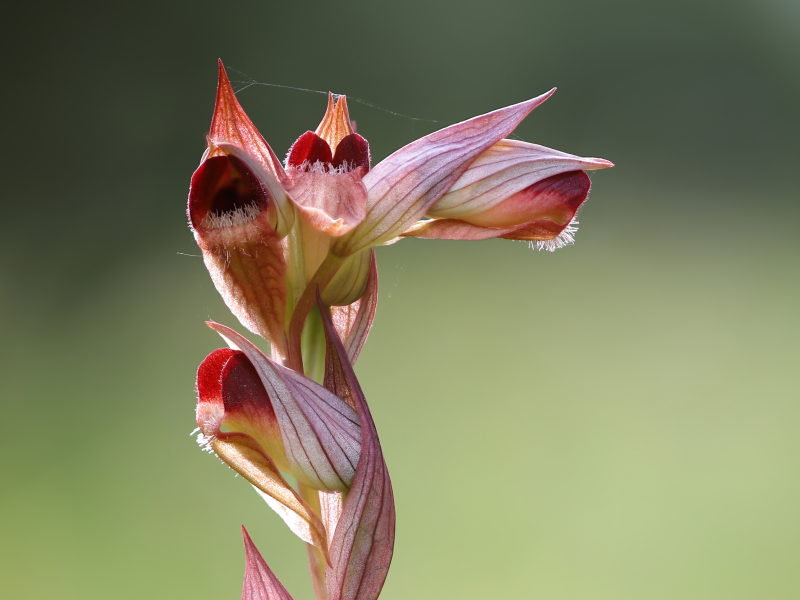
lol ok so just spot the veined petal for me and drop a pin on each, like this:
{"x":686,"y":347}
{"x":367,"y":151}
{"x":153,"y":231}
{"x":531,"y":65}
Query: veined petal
{"x":404,"y":186}
{"x":363,"y":542}
{"x":335,"y":125}
{"x":245,"y":456}
{"x":260,"y":582}
{"x":354,"y":321}
{"x":320,"y":432}
{"x":506,"y":168}
{"x":231,"y":125}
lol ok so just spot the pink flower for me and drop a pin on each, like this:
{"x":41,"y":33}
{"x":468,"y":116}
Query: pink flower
{"x":278,"y":420}
{"x":272,"y":234}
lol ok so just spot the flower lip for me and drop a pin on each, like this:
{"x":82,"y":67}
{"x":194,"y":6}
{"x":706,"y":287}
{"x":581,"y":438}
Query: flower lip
{"x":352,"y":152}
{"x":312,"y":153}
{"x":224,"y":192}
{"x":308,"y":150}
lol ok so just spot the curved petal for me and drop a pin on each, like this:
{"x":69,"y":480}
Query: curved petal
{"x":505,"y":169}
{"x":320,"y":432}
{"x":363,"y":541}
{"x":405,"y":185}
{"x":260,"y":582}
{"x":231,"y":125}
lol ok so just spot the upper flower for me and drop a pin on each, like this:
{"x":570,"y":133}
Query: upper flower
{"x":272,"y":234}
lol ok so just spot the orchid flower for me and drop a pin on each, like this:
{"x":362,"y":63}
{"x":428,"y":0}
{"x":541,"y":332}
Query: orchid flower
{"x":277,"y":420}
{"x":272,"y":233}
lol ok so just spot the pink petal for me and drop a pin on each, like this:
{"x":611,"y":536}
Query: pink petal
{"x":405,"y":185}
{"x":333,"y":203}
{"x":232,"y":125}
{"x":260,"y":582}
{"x":362,"y":545}
{"x":320,"y":432}
{"x":354,"y":321}
{"x":505,"y":169}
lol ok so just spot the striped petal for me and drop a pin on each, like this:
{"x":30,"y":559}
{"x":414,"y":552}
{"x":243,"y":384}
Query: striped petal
{"x":488,"y":193}
{"x":363,"y":541}
{"x":404,"y":186}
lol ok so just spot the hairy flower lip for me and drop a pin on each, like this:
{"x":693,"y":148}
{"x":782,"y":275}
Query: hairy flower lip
{"x":222,"y":189}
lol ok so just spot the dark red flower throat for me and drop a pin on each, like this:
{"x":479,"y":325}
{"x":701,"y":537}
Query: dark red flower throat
{"x":223,"y":191}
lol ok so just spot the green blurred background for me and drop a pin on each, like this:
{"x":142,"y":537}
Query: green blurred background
{"x":617,"y":420}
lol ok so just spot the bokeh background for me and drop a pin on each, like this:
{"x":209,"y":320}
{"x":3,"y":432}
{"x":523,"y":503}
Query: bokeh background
{"x":617,"y":420}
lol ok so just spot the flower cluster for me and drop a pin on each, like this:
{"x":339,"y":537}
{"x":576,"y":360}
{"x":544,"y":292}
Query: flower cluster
{"x":290,"y":247}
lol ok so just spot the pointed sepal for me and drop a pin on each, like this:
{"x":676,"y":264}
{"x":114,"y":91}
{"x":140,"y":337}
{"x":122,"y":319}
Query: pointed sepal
{"x":363,"y":541}
{"x":260,"y":583}
{"x":335,"y":125}
{"x":230,"y":124}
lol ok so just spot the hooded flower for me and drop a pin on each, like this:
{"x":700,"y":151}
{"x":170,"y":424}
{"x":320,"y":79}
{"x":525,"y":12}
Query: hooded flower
{"x":272,"y":235}
{"x":276,"y":420}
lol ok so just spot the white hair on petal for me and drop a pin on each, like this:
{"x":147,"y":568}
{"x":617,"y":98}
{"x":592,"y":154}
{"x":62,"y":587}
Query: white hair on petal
{"x":204,"y":441}
{"x":565,"y":238}
{"x":231,"y":218}
{"x":325,"y":167}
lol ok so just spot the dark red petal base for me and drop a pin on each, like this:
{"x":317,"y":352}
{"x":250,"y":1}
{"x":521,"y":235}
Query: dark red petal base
{"x":227,"y":376}
{"x":309,"y":148}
